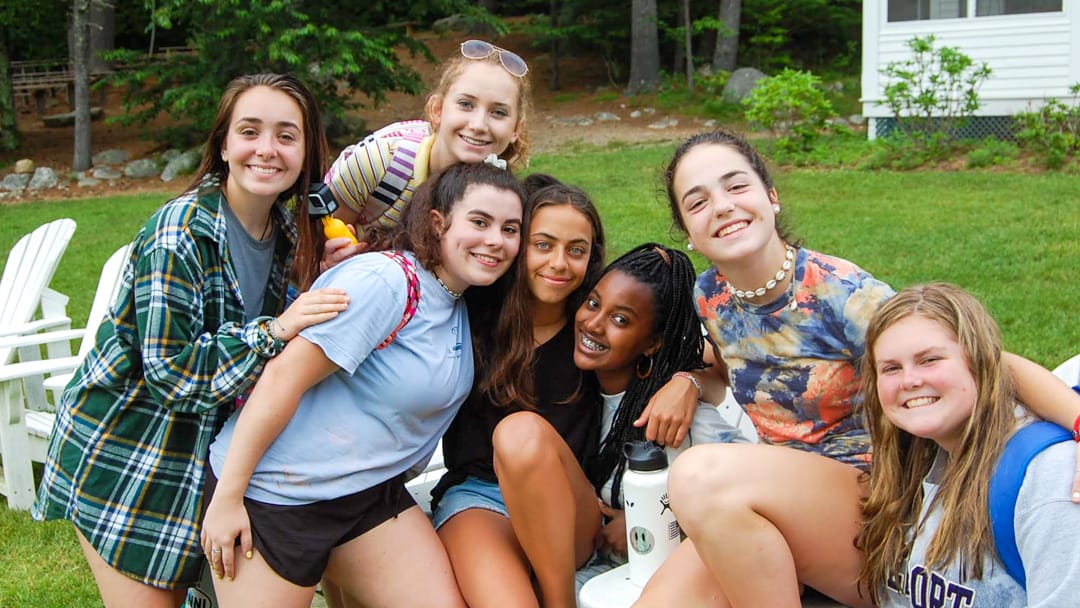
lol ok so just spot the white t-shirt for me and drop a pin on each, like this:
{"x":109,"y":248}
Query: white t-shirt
{"x":726,"y":423}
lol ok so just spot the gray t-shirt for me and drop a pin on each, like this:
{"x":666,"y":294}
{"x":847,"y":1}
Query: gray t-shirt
{"x":384,"y":411}
{"x":1047,"y":534}
{"x":251,"y":259}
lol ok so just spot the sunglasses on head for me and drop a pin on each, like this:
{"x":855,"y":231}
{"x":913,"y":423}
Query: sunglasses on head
{"x":478,"y":49}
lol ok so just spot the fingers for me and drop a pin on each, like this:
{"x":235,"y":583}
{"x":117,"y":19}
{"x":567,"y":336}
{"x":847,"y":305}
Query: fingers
{"x":607,"y":511}
{"x":214,"y":557}
{"x":310,"y":308}
{"x":643,"y":419}
{"x":681,"y":433}
{"x":336,"y":251}
{"x":245,"y":543}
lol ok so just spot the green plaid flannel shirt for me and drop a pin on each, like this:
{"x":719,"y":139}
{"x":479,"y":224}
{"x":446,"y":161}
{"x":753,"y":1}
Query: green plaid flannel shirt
{"x":128,"y":452}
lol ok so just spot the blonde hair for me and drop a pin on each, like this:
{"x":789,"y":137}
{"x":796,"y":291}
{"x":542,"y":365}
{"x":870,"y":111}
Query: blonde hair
{"x":517,"y":153}
{"x":902,"y":460}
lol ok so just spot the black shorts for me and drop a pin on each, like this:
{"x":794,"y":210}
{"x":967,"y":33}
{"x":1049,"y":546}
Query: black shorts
{"x":296,"y":540}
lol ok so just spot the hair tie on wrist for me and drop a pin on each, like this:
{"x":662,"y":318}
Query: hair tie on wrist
{"x":701,"y":391}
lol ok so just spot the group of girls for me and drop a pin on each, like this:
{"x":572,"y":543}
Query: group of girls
{"x":212,"y":422}
{"x":808,"y":506}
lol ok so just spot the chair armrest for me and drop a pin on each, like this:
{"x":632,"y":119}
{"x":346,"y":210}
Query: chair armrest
{"x":35,"y":326}
{"x":48,"y":337}
{"x":17,"y":371}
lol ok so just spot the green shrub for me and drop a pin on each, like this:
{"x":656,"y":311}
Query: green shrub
{"x":935,"y":91}
{"x":712,"y":83}
{"x":792,"y":106}
{"x":991,"y":152}
{"x":898,"y":151}
{"x":1053,"y":131}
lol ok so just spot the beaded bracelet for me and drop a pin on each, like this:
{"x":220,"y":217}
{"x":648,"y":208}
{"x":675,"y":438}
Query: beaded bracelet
{"x":270,"y":329}
{"x":701,"y":391}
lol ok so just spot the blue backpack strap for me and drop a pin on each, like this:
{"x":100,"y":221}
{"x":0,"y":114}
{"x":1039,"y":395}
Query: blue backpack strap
{"x":1005,"y":484}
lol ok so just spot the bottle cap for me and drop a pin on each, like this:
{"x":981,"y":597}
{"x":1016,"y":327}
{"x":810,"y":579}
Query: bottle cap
{"x":645,"y":456}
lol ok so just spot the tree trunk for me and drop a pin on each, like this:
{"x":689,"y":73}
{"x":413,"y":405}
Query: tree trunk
{"x":727,"y":41}
{"x":645,"y":48}
{"x":80,"y":64}
{"x":9,"y":130}
{"x":689,"y":48}
{"x":102,"y":20}
{"x":554,"y":46}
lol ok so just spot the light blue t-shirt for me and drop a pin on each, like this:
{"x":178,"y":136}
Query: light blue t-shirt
{"x":384,"y":411}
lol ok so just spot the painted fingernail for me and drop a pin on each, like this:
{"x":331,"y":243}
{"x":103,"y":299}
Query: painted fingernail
{"x":251,"y":554}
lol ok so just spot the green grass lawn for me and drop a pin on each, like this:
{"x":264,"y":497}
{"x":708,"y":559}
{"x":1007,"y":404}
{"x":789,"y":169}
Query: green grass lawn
{"x":1010,"y":239}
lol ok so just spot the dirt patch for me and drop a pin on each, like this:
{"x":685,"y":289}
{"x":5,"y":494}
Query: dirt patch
{"x":555,"y":123}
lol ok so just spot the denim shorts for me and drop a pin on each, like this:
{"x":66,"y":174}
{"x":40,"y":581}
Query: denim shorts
{"x":473,"y":493}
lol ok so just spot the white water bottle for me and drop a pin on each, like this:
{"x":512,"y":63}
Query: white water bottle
{"x":651,"y":530}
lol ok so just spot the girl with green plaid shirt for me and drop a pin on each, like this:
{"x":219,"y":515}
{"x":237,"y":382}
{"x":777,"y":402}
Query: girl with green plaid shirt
{"x":192,"y":326}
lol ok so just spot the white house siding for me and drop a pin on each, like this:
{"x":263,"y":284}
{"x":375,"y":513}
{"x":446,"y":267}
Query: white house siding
{"x":1033,"y":56}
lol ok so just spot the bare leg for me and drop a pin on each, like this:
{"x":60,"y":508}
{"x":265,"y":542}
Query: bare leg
{"x":256,"y":584}
{"x":119,"y":590}
{"x":764,"y":519}
{"x":684,"y":576}
{"x":553,"y":507}
{"x":400,"y":563}
{"x":332,"y":594}
{"x":478,"y":540}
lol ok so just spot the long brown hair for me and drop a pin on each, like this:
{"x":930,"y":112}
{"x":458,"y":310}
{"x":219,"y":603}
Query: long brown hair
{"x":902,"y":460}
{"x":214,"y":170}
{"x":517,"y":153}
{"x":506,"y":351}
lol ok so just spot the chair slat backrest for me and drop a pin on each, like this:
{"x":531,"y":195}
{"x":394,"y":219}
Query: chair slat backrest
{"x":112,"y":275}
{"x":29,"y":268}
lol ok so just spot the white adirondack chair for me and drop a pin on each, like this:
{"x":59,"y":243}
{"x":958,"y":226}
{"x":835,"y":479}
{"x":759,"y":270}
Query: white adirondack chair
{"x":1069,"y":371}
{"x":26,"y":418}
{"x":24,"y":288}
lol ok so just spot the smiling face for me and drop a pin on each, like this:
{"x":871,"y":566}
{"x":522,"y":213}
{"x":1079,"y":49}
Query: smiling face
{"x":724,"y":205}
{"x":614,"y":327}
{"x":923,"y":380}
{"x":264,"y":146}
{"x":480,"y":238}
{"x":557,"y":254}
{"x":477,"y":116}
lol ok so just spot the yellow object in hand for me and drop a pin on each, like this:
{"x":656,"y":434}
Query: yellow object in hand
{"x":334,"y":228}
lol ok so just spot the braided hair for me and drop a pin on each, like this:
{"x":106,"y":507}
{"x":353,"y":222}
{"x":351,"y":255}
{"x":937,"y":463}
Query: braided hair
{"x":669,"y":274}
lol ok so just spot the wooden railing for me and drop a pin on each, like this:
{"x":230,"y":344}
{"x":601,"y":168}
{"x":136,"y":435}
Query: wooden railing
{"x":38,"y":80}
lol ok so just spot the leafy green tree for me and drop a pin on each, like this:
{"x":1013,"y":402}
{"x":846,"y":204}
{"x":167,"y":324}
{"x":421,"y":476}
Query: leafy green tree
{"x":232,"y":37}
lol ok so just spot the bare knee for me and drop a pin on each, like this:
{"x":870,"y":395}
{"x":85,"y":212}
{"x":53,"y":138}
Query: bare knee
{"x":707,"y":481}
{"x":521,"y":442}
